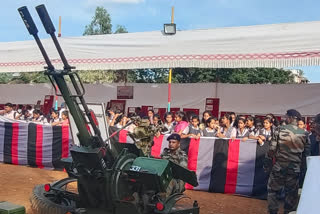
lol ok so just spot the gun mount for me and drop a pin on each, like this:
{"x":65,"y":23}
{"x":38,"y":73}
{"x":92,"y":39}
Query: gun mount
{"x":108,"y":180}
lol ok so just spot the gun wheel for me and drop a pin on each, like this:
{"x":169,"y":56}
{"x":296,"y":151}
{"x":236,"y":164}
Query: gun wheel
{"x":49,"y":203}
{"x":119,"y":186}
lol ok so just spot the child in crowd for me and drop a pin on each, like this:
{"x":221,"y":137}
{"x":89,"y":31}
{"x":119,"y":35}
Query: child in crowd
{"x":250,"y":125}
{"x":302,"y":125}
{"x":227,"y":131}
{"x":205,"y":117}
{"x":150,"y":116}
{"x":124,"y":120}
{"x":168,"y":124}
{"x":265,"y":133}
{"x":38,"y":117}
{"x":193,"y":129}
{"x":242,"y":131}
{"x":212,"y":129}
{"x":182,"y":124}
{"x":156,"y":120}
{"x":54,"y":119}
{"x":65,"y":118}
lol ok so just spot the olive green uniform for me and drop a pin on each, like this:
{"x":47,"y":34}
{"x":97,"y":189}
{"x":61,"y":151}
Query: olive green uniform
{"x":178,"y":157}
{"x":287,"y":146}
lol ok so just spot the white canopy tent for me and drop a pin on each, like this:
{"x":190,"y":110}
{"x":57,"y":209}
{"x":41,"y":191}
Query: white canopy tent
{"x":277,"y":45}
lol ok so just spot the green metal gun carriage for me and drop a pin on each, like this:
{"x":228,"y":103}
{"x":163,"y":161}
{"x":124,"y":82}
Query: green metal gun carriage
{"x":109,"y":179}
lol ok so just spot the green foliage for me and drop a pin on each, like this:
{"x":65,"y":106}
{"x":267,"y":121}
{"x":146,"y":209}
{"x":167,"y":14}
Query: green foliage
{"x":23,"y":78}
{"x":121,"y":29}
{"x":148,"y":76}
{"x":5,"y":78}
{"x":96,"y":76}
{"x":224,"y":75}
{"x":100,"y":24}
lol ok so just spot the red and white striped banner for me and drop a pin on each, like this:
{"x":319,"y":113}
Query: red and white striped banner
{"x":221,"y":165}
{"x":33,"y":144}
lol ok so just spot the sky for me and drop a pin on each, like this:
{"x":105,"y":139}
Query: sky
{"x":150,"y":15}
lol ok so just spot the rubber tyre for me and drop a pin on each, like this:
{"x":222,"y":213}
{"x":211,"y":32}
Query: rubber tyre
{"x":40,"y":204}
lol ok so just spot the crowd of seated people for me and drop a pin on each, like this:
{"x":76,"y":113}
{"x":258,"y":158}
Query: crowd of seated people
{"x":29,"y":114}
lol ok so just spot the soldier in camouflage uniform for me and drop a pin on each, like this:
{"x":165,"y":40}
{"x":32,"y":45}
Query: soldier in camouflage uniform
{"x":176,"y":155}
{"x":287,"y":145}
{"x":143,"y":135}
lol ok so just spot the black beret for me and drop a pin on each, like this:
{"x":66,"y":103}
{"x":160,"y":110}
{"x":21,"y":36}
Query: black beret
{"x":174,"y":136}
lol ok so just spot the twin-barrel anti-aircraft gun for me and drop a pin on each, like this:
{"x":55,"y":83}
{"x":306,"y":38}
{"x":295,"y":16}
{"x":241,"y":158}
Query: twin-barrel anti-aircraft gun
{"x":108,"y":178}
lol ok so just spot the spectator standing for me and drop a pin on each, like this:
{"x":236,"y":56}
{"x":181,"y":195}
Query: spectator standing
{"x":8,"y":112}
{"x":212,"y":129}
{"x":265,"y":133}
{"x":168,"y":123}
{"x":156,"y":120}
{"x":65,"y":118}
{"x":139,"y":112}
{"x":150,"y":116}
{"x":227,"y":131}
{"x":38,"y":117}
{"x":250,"y":125}
{"x":302,"y":125}
{"x":193,"y":129}
{"x":110,"y":115}
{"x":62,"y":109}
{"x":314,"y":140}
{"x":182,"y":123}
{"x":242,"y":131}
{"x":233,"y":118}
{"x":54,"y":120}
{"x":205,"y":117}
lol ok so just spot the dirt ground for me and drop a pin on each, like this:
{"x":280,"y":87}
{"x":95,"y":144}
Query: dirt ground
{"x":16,"y":183}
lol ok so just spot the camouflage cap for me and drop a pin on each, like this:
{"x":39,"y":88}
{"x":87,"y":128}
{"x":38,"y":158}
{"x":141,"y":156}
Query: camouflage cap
{"x":174,"y":136}
{"x":294,"y":113}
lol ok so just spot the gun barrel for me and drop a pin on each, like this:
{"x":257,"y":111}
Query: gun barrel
{"x":28,"y":21}
{"x":32,"y":28}
{"x":48,"y":25}
{"x":45,"y":19}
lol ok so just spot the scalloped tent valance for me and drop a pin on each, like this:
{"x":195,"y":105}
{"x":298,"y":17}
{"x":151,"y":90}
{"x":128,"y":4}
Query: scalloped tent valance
{"x":276,"y":45}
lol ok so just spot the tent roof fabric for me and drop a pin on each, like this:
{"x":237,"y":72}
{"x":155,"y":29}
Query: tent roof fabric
{"x":275,"y":45}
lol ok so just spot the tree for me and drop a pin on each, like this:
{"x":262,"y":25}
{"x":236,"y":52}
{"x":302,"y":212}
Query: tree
{"x":5,"y":77}
{"x":158,"y":75}
{"x":121,"y":29}
{"x":224,"y":75}
{"x":100,"y":24}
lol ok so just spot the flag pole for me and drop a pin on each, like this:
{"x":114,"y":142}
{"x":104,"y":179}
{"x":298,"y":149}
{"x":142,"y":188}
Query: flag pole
{"x":170,"y":70}
{"x":59,"y":32}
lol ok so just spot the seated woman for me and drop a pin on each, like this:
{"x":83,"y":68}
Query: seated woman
{"x":212,"y":129}
{"x":182,"y":124}
{"x":227,"y":131}
{"x":242,"y":131}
